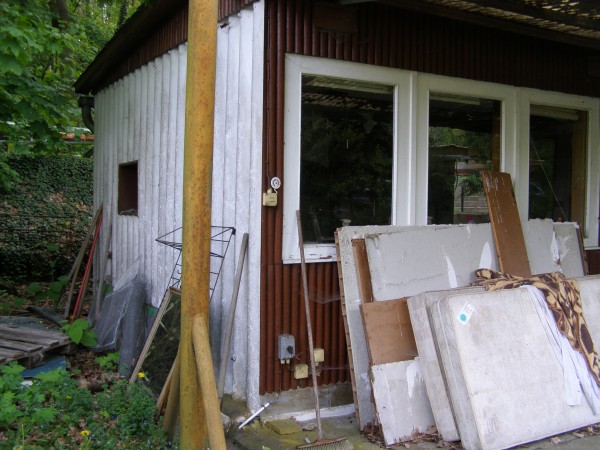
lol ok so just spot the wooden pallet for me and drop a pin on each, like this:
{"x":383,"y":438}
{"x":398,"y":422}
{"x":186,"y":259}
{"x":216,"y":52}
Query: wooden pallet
{"x":30,"y":346}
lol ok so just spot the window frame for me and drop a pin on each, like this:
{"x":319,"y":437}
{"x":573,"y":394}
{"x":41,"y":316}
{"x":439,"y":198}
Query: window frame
{"x":128,"y":189}
{"x":295,"y":67}
{"x":411,"y":140}
{"x":591,"y":106}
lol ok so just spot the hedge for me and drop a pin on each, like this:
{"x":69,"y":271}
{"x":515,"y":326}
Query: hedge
{"x":45,"y":217}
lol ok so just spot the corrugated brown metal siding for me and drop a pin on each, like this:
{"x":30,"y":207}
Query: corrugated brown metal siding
{"x":391,"y":37}
{"x":593,"y":261}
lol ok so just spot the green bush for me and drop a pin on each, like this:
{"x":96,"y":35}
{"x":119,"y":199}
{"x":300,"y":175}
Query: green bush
{"x":44,"y":217}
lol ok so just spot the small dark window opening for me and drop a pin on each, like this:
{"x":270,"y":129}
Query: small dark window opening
{"x":128,"y":189}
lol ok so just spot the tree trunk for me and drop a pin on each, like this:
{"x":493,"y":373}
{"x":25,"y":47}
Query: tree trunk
{"x":62,"y":10}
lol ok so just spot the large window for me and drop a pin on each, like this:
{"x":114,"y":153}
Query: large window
{"x":464,"y":138}
{"x":346,"y":163}
{"x":557,"y":161}
{"x":368,"y":145}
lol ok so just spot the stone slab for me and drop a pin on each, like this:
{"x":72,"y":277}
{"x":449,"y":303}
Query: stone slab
{"x":401,"y":399}
{"x":284,"y":426}
{"x":504,"y":380}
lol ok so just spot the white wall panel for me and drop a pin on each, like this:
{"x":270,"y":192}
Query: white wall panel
{"x":137,"y":120}
{"x":237,"y":187}
{"x":142,"y":118}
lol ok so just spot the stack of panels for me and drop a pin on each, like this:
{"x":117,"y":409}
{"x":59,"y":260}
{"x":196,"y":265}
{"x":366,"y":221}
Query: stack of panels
{"x":504,"y":382}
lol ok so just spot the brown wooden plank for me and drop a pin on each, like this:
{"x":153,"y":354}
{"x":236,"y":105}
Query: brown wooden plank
{"x":8,"y":353}
{"x":388,"y":331}
{"x":506,"y":224}
{"x":24,"y":337}
{"x":363,"y":275}
{"x":28,"y":332}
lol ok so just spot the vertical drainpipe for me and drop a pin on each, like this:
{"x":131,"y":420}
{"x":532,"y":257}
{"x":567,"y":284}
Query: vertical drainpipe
{"x":197,"y":180}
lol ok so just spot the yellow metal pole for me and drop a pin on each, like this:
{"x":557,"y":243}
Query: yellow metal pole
{"x":197,"y":171}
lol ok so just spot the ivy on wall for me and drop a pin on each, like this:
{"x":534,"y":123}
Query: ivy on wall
{"x":45,"y":216}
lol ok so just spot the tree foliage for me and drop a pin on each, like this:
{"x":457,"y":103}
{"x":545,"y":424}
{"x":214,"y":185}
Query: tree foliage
{"x":44,"y":46}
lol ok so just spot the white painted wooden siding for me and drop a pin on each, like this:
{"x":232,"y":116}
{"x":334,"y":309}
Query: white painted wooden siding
{"x":141,"y":118}
{"x":237,"y":196}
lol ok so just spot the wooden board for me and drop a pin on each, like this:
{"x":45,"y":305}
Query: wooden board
{"x":30,"y":346}
{"x":363,"y":276}
{"x":357,"y":404}
{"x":506,"y":225}
{"x":388,"y":330}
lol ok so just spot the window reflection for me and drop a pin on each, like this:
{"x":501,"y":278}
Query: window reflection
{"x":557,"y":150}
{"x":346,"y":155}
{"x":464,"y":138}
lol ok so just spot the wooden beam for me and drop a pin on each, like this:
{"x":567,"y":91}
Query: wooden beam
{"x":206,"y":375}
{"x":197,"y":181}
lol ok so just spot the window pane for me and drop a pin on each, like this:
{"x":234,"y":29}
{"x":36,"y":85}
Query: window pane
{"x":557,"y":164}
{"x":464,"y":138}
{"x":347,"y":155}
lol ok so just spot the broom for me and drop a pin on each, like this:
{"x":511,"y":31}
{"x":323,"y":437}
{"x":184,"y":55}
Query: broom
{"x":321,"y":443}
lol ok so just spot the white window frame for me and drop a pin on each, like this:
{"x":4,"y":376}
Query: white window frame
{"x":411,"y":139}
{"x":403,"y":165}
{"x":528,"y":97}
{"x":436,"y":84}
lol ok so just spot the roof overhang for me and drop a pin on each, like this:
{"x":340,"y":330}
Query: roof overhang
{"x":566,"y":21}
{"x":126,"y":40}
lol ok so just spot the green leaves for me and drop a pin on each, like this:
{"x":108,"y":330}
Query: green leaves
{"x":40,"y":60}
{"x":54,"y":411}
{"x":80,"y":332}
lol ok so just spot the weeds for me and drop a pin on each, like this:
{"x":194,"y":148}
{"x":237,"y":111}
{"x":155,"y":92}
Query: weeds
{"x":52,"y":411}
{"x":80,"y":332}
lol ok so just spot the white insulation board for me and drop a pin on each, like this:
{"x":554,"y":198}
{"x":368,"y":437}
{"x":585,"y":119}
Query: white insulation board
{"x":421,"y":259}
{"x":430,"y":364}
{"x":401,"y":399}
{"x":446,"y":257}
{"x":504,"y":380}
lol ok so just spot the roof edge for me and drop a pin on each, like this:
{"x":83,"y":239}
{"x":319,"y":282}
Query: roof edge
{"x":127,"y":38}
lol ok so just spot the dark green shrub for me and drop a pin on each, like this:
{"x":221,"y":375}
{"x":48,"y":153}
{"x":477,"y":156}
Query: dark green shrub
{"x":44,"y":218}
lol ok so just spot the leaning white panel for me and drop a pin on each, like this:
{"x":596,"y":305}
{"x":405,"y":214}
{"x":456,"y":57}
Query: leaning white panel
{"x":568,"y":249}
{"x":401,"y":399}
{"x":429,"y":360}
{"x":421,"y":259}
{"x":504,"y":380}
{"x":541,"y":246}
